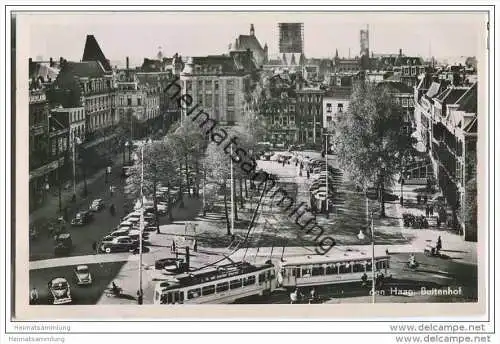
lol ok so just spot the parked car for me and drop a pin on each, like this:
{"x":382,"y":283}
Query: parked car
{"x":134,"y":235}
{"x":119,"y":233}
{"x":97,"y":205}
{"x":83,"y":276}
{"x":82,"y":218}
{"x":160,"y":264}
{"x":267,"y":155}
{"x":118,"y":244}
{"x":59,"y":291}
{"x":63,"y":244}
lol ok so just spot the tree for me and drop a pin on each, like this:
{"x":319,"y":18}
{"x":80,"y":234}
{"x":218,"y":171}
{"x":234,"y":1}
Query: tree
{"x":368,"y":139}
{"x":159,"y":168}
{"x":470,"y":206}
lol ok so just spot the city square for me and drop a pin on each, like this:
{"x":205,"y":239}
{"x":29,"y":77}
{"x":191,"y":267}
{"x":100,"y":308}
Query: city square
{"x":260,"y":175}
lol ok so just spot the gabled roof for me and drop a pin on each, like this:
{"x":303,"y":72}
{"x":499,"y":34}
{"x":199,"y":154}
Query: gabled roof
{"x":92,"y":52}
{"x":89,"y":69}
{"x":468,"y":102}
{"x":471,"y":127}
{"x":41,"y":69}
{"x":450,"y":95}
{"x":249,"y":42}
{"x":433,"y":89}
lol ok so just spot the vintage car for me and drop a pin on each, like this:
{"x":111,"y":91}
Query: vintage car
{"x":97,"y":205}
{"x":59,"y":291}
{"x":63,"y":244}
{"x":82,"y":275}
{"x":118,"y":244}
{"x":82,"y":218}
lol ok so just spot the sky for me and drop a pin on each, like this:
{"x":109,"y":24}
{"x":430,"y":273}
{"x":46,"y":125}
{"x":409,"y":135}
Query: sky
{"x":139,"y":35}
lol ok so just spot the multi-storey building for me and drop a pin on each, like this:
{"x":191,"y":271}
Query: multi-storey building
{"x":447,"y":121}
{"x":310,"y":114}
{"x":219,"y":84}
{"x":76,"y":121}
{"x":244,"y":42}
{"x":280,"y":115}
{"x":403,"y":95}
{"x":335,"y":103}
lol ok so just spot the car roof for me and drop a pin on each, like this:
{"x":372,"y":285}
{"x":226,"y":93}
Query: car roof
{"x":58,"y":280}
{"x":122,"y":237}
{"x":97,"y":200}
{"x":82,"y":267}
{"x":64,"y":235}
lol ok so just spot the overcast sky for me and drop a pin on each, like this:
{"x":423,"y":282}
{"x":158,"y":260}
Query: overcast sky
{"x":139,"y":35}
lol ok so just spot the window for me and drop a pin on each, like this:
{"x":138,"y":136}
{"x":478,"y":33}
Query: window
{"x":129,"y":101}
{"x":332,"y":270}
{"x":250,"y":280}
{"x":262,"y":277}
{"x":340,"y":107}
{"x":208,"y":290}
{"x":208,"y":84}
{"x":189,"y":87}
{"x":405,"y":102}
{"x":193,"y":293}
{"x":368,"y":266}
{"x":222,"y":287}
{"x":317,"y":270}
{"x":230,"y":85}
{"x":216,"y":84}
{"x":139,"y":101}
{"x":208,"y":100}
{"x":200,"y":85}
{"x":230,"y":99}
{"x":358,"y":267}
{"x":235,"y":284}
{"x":345,"y":268}
{"x":230,"y":115}
{"x":329,"y":107}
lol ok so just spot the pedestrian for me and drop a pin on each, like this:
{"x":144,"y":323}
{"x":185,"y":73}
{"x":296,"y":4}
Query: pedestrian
{"x":173,"y":246}
{"x":308,"y":174}
{"x":425,"y":199}
{"x":111,"y":190}
{"x":431,"y":209}
{"x":426,"y":211}
{"x":418,"y":199}
{"x":195,"y":246}
{"x":439,"y":244}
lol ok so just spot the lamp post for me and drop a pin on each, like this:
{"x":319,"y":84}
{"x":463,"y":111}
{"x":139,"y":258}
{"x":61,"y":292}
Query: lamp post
{"x":140,"y":292}
{"x":361,"y":236}
{"x":326,"y":168}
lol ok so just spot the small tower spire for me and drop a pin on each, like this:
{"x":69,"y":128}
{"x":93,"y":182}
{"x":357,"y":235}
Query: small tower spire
{"x":252,"y":30}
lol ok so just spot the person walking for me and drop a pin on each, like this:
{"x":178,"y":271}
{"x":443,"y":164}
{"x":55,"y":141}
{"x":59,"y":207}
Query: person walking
{"x":439,"y":244}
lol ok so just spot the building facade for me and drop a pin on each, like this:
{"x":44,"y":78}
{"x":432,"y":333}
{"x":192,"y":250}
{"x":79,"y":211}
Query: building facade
{"x":335,"y":103}
{"x":447,"y":122}
{"x":310,"y":115}
{"x":219,"y":84}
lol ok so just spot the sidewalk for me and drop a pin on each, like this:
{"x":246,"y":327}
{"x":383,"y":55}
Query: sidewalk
{"x":50,"y":208}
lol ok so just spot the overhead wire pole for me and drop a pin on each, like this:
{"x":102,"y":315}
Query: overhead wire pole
{"x":232,"y":192}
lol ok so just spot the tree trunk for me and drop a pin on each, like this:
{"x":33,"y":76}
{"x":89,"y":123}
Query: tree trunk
{"x":246,"y":189}
{"x":181,"y":191}
{"x":228,"y":225}
{"x":197,"y":184}
{"x":188,"y":185}
{"x":242,"y":203}
{"x":382,"y":202}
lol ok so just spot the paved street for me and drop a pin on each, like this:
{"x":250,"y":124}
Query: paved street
{"x":273,"y":236}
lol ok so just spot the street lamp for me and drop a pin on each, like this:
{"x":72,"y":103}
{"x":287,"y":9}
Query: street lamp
{"x":361,"y":236}
{"x":76,"y":140}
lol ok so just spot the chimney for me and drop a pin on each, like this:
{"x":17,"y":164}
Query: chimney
{"x":127,"y":61}
{"x":51,"y":62}
{"x":252,"y":30}
{"x":61,"y":60}
{"x":400,"y":52}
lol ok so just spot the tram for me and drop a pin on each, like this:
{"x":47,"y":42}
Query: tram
{"x":222,"y":284}
{"x":335,"y":268}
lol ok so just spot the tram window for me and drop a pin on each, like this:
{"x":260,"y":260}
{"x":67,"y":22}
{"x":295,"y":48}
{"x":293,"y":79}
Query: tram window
{"x":358,"y":267}
{"x":296,"y":272}
{"x":369,"y":266}
{"x":317,"y":271}
{"x":235,"y":284}
{"x":181,"y":298}
{"x":163,"y":299}
{"x":209,"y":289}
{"x":261,"y":277}
{"x":176,"y":297}
{"x":169,"y":298}
{"x":222,"y":287}
{"x":332,"y":270}
{"x":249,"y":280}
{"x":306,"y":272}
{"x":344,"y":269}
{"x":379,"y":265}
{"x":193,"y":293}
{"x":157,"y":295}
{"x":387,"y":265}
{"x":272,"y":274}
